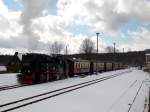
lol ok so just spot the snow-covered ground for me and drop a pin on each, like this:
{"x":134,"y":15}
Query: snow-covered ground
{"x":113,"y":95}
{"x":8,"y":79}
{"x":3,"y":68}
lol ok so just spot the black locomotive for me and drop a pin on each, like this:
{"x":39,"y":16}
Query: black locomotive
{"x":38,"y":68}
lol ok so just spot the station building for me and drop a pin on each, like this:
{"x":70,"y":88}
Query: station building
{"x":148,"y":60}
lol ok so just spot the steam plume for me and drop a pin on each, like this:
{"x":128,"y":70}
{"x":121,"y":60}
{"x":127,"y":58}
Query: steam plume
{"x":32,"y":9}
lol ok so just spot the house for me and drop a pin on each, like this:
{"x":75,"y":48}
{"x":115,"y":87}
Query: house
{"x":14,"y":63}
{"x":147,"y":60}
{"x":147,"y":56}
{"x":4,"y":59}
{"x":9,"y":63}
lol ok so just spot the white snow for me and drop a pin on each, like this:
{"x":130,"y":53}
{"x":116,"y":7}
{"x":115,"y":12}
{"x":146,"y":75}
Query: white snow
{"x":20,"y":56}
{"x":3,"y":68}
{"x":113,"y":95}
{"x":8,"y":79}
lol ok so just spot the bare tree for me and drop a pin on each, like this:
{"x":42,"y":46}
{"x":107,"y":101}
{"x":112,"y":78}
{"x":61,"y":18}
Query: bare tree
{"x":129,"y":50}
{"x":110,"y":49}
{"x":87,"y":46}
{"x":56,"y":47}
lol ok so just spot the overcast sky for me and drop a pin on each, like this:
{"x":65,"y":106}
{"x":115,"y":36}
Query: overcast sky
{"x":31,"y":25}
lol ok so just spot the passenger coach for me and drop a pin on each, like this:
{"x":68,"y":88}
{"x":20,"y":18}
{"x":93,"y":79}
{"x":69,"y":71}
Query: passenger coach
{"x":97,"y":66}
{"x":78,"y":67}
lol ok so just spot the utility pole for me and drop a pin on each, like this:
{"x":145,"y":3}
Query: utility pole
{"x":97,"y":41}
{"x":66,"y":49}
{"x":97,"y":52}
{"x":114,"y":47}
{"x":114,"y":51}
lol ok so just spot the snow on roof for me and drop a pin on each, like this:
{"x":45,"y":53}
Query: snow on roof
{"x":148,"y":54}
{"x":20,"y":56}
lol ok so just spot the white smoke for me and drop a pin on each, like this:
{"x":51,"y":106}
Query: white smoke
{"x":32,"y":9}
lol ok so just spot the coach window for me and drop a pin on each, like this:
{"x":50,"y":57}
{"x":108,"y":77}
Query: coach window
{"x":148,"y":59}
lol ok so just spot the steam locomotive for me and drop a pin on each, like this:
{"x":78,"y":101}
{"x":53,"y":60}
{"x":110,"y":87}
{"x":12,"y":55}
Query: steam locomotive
{"x":39,"y":68}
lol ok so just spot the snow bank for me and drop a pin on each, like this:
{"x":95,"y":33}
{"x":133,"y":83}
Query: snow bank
{"x":3,"y":68}
{"x":8,"y":79}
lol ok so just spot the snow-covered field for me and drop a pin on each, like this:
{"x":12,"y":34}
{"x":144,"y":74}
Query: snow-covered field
{"x":8,"y":79}
{"x":112,"y":95}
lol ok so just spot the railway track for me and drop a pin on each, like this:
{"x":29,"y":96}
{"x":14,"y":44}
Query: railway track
{"x":43,"y":96}
{"x":3,"y":88}
{"x":135,"y":96}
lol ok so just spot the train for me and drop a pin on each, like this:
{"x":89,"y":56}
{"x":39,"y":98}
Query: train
{"x":40,"y":68}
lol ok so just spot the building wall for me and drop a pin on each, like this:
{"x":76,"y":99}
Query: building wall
{"x":148,"y":61}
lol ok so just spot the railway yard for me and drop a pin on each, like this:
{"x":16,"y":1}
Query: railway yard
{"x":74,"y":56}
{"x":115,"y":91}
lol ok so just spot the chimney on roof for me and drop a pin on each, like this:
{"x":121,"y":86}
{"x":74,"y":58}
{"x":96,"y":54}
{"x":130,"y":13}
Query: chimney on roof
{"x":16,"y":54}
